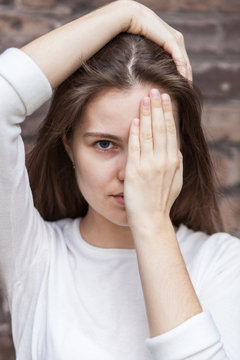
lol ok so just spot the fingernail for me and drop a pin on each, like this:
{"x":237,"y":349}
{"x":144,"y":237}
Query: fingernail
{"x":146,"y":101}
{"x":155,"y":93}
{"x":165,"y":99}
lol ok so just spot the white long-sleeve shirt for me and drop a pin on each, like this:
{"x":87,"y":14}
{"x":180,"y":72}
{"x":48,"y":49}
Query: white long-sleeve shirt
{"x":70,"y":300}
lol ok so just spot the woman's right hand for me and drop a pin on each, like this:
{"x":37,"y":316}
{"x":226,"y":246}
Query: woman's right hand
{"x":146,"y":22}
{"x":61,"y":51}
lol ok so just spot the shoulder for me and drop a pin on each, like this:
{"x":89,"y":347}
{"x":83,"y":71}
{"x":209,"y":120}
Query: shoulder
{"x":219,"y":239}
{"x":225,"y":252}
{"x":217,"y":250}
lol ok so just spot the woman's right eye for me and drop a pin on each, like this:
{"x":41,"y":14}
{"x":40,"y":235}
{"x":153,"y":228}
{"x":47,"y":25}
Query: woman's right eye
{"x":105,"y":144}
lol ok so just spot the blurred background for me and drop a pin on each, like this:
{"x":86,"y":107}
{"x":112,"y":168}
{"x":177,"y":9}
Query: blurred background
{"x":211,"y":30}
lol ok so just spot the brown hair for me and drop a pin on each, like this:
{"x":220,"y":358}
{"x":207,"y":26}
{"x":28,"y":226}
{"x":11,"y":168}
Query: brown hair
{"x":125,"y":61}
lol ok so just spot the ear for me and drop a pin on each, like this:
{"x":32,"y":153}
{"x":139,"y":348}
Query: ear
{"x":67,"y":147}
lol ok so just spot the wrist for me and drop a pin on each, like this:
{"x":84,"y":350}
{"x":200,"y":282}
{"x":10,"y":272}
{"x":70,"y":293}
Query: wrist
{"x":147,"y":227}
{"x":128,"y":9}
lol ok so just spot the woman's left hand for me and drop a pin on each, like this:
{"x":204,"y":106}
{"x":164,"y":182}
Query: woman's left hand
{"x":154,"y":170}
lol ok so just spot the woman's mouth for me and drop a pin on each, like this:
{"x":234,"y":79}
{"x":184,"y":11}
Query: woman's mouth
{"x":119,"y":199}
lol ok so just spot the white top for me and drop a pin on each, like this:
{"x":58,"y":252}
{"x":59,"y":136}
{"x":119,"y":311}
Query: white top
{"x":71,"y":300}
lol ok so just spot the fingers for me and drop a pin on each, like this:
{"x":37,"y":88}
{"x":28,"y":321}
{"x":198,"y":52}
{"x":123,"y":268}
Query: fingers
{"x":146,"y":137}
{"x":171,"y":135}
{"x":155,"y":135}
{"x":180,"y":57}
{"x":174,"y":44}
{"x":153,"y":154}
{"x":181,"y":44}
{"x":134,"y":144}
{"x":165,"y":144}
{"x":147,"y":23}
{"x":158,"y":123}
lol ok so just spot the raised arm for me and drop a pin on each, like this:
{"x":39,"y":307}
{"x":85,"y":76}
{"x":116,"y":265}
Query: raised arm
{"x":60,"y":52}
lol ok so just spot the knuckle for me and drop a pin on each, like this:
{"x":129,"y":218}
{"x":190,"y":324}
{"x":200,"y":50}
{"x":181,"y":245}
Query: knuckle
{"x":180,"y":159}
{"x":160,"y":170}
{"x":180,"y":155}
{"x":173,"y":162}
{"x":162,"y":165}
{"x":147,"y":137}
{"x":165,"y":165}
{"x":145,"y":113}
{"x":179,"y":36}
{"x":167,"y":108}
{"x":171,"y":127}
{"x":184,"y":62}
{"x":160,"y":128}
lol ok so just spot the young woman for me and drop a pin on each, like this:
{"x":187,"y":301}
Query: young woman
{"x":110,"y":242}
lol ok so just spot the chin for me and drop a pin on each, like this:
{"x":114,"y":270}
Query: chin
{"x":119,"y":220}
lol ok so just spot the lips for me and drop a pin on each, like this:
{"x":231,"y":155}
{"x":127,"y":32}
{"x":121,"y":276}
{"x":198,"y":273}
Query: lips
{"x":119,"y":199}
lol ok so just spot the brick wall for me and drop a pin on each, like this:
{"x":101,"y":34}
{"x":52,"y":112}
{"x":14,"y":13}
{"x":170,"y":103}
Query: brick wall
{"x":211,"y":30}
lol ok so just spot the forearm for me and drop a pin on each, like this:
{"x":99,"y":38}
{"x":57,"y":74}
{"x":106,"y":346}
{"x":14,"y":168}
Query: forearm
{"x":170,"y":298}
{"x":60,"y":52}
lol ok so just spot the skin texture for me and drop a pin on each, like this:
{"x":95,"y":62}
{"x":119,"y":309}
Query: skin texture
{"x":100,"y":172}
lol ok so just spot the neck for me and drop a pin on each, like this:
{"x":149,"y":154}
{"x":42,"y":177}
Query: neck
{"x":100,"y":232}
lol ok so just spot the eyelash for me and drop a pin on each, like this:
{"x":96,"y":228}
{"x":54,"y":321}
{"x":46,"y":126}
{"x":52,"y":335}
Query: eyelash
{"x":100,"y":141}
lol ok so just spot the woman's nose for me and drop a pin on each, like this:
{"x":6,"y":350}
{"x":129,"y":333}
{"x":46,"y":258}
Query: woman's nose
{"x":121,"y":174}
{"x":122,"y":167}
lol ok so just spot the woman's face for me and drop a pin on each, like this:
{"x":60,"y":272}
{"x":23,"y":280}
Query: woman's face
{"x":100,"y":159}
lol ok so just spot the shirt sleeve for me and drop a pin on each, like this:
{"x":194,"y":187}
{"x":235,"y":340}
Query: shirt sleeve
{"x":23,"y":233}
{"x":213,"y":334}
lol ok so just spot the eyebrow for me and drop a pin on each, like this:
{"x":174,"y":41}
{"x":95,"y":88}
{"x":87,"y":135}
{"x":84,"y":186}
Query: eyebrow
{"x":102,"y":135}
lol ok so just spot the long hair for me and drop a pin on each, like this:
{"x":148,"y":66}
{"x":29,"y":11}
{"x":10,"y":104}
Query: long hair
{"x":125,"y":61}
